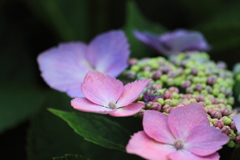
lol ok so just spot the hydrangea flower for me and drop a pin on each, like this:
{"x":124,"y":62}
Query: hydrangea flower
{"x":174,"y":42}
{"x":184,"y":134}
{"x":236,"y":119}
{"x":107,"y":95}
{"x":65,"y":66}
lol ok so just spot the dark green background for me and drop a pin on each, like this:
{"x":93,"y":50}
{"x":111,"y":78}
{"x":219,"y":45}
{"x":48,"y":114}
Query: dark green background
{"x":28,"y":27}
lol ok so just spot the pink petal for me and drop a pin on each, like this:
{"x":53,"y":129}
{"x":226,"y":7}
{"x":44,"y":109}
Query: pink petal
{"x":236,"y":119}
{"x":129,"y":110}
{"x":204,"y":140}
{"x":109,"y":52}
{"x":185,"y":155}
{"x":183,"y":119}
{"x":132,"y":91}
{"x":140,"y":144}
{"x":85,"y":105}
{"x":64,"y":67}
{"x":155,"y":126}
{"x":101,"y":89}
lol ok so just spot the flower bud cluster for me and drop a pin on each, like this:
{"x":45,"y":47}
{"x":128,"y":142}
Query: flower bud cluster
{"x":186,"y":78}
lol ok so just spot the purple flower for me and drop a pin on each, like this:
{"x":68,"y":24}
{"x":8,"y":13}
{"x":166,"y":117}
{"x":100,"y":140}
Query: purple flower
{"x":236,"y":119}
{"x":184,"y":134}
{"x":65,"y":66}
{"x":107,"y":95}
{"x":174,"y":42}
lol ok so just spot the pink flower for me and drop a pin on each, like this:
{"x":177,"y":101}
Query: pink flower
{"x":65,"y":66}
{"x":184,"y":134}
{"x":236,"y":119}
{"x":107,"y":95}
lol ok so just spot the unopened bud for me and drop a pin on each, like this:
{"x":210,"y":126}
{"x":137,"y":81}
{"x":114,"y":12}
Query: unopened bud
{"x":226,"y":130}
{"x":156,"y":74}
{"x":194,"y":71}
{"x":237,"y":139}
{"x":233,"y":126}
{"x":232,"y":136}
{"x":173,"y":89}
{"x":218,"y":123}
{"x":156,"y":106}
{"x":216,"y":114}
{"x":211,"y":80}
{"x":186,"y":84}
{"x":225,"y":111}
{"x":132,"y":61}
{"x":167,"y":95}
{"x":198,"y":87}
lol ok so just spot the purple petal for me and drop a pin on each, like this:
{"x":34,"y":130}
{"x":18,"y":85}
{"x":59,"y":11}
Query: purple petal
{"x":181,"y":40}
{"x":174,"y":42}
{"x":129,"y":110}
{"x":109,"y":52}
{"x":132,"y":91}
{"x":85,"y":105}
{"x":140,"y":144}
{"x":152,"y":41}
{"x":183,"y":119}
{"x":205,"y":140}
{"x":101,"y":89}
{"x":64,"y":67}
{"x":185,"y":155}
{"x":236,"y":119}
{"x":155,"y":126}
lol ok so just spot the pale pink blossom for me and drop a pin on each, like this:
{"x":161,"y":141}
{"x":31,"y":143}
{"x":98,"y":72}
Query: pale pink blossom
{"x":184,"y":134}
{"x":236,"y":119}
{"x":107,"y":95}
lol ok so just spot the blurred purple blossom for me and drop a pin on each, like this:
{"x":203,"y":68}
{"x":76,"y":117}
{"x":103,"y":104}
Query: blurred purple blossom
{"x":65,"y":66}
{"x":174,"y":42}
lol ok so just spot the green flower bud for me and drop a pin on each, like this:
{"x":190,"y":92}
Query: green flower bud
{"x":231,"y":144}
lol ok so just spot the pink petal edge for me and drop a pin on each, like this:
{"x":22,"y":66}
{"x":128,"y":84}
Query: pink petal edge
{"x":128,"y":110}
{"x":188,"y":117}
{"x":142,"y":145}
{"x":101,"y":89}
{"x":155,"y":126}
{"x":85,"y":105}
{"x":132,"y":91}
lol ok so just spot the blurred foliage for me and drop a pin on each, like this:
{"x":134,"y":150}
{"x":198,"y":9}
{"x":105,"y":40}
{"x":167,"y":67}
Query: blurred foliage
{"x":70,"y":157}
{"x":31,"y":26}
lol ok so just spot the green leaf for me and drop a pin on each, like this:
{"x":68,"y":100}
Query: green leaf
{"x":69,"y":19}
{"x":70,"y":157}
{"x":96,"y":128}
{"x":18,"y":102}
{"x":135,"y":20}
{"x":49,"y":136}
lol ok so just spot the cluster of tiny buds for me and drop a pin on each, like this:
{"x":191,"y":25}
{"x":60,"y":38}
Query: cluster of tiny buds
{"x":184,"y":79}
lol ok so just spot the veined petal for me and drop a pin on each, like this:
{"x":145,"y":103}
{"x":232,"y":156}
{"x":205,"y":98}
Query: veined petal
{"x":205,"y":140}
{"x":132,"y":91}
{"x":155,"y":126}
{"x":183,"y":119}
{"x":140,"y":144}
{"x":101,"y":89}
{"x":109,"y":52}
{"x":236,"y":119}
{"x":64,"y":67}
{"x":85,"y":105}
{"x":129,"y":110}
{"x":185,"y":155}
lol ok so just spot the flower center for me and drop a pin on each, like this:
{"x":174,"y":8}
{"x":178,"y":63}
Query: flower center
{"x":112,"y":105}
{"x":179,"y":144}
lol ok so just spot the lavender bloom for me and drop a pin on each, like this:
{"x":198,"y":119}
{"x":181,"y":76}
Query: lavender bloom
{"x":64,"y":67}
{"x":174,"y":42}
